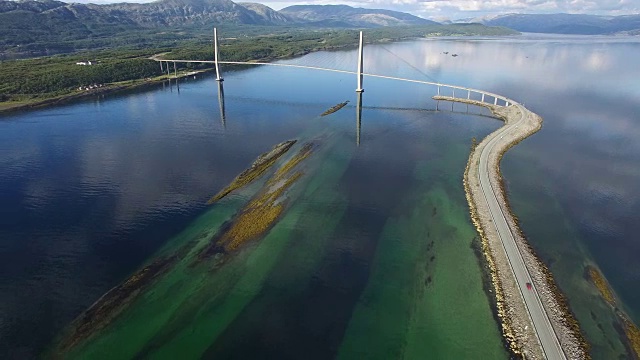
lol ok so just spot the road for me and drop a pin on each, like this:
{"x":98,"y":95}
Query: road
{"x":546,"y":335}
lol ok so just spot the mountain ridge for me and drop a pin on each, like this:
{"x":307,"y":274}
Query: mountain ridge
{"x":45,"y":27}
{"x":202,"y":12}
{"x":562,"y":23}
{"x":274,"y":17}
{"x":357,"y":16}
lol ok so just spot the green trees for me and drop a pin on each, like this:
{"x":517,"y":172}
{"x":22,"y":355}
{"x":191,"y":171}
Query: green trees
{"x":57,"y":75}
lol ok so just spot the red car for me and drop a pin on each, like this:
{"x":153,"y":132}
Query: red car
{"x":529,"y":287}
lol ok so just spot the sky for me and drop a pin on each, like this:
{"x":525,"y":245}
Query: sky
{"x":462,"y":9}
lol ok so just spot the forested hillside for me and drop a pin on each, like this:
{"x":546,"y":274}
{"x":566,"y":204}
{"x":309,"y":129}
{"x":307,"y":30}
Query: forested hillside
{"x":44,"y":27}
{"x":35,"y":79}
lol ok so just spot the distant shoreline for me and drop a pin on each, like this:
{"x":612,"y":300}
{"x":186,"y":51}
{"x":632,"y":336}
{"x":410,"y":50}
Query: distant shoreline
{"x":13,"y":106}
{"x":107,"y":89}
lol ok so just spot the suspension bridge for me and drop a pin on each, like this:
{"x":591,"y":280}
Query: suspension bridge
{"x":498,"y":222}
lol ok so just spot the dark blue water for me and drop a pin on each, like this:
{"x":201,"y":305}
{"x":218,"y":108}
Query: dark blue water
{"x":92,"y":189}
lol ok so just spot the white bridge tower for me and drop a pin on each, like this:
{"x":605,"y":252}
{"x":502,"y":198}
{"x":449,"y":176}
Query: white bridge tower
{"x":215,"y":54}
{"x":360,"y":58}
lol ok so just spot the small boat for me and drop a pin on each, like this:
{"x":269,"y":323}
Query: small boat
{"x":335,"y":108}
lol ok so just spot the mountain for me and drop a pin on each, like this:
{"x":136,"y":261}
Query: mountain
{"x":565,"y":23}
{"x":185,"y":12}
{"x":52,"y":15}
{"x":267,"y":13}
{"x":353,"y":16}
{"x":44,"y":27}
{"x":154,"y":14}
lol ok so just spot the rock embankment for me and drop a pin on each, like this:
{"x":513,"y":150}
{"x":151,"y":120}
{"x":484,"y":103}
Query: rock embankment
{"x":516,"y":323}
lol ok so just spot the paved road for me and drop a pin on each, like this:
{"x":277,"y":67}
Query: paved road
{"x":546,"y":335}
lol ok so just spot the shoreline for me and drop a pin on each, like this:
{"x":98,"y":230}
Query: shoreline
{"x":139,"y":83}
{"x":516,"y":323}
{"x":107,"y":89}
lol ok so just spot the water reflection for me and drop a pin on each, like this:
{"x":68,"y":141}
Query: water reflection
{"x":221,"y":103}
{"x":358,"y":117}
{"x":482,"y":62}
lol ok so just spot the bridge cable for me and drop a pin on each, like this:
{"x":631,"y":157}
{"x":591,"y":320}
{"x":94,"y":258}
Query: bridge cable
{"x":410,"y":65}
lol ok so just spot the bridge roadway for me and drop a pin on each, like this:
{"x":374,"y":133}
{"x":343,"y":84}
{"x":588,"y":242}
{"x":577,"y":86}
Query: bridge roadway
{"x":545,"y":333}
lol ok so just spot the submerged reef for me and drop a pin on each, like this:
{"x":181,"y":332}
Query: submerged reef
{"x":302,"y":154}
{"x":600,"y":283}
{"x":114,"y":302}
{"x":251,"y":222}
{"x":261,"y":213}
{"x":258,"y":167}
{"x":630,"y":333}
{"x":335,"y":108}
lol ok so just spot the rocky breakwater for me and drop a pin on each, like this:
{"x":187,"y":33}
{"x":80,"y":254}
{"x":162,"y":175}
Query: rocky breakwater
{"x":516,"y":322}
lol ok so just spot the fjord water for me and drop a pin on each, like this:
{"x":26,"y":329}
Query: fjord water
{"x":373,"y":257}
{"x":375,"y":243}
{"x":574,"y":185}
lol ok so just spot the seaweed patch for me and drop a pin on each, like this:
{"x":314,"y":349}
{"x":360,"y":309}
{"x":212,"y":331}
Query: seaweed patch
{"x":258,"y":167}
{"x":113,"y":303}
{"x":335,"y":108}
{"x":261,"y":213}
{"x":630,"y":332}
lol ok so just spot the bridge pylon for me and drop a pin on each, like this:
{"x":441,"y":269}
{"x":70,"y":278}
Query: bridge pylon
{"x":360,"y":62}
{"x":216,"y":55}
{"x":221,"y":104}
